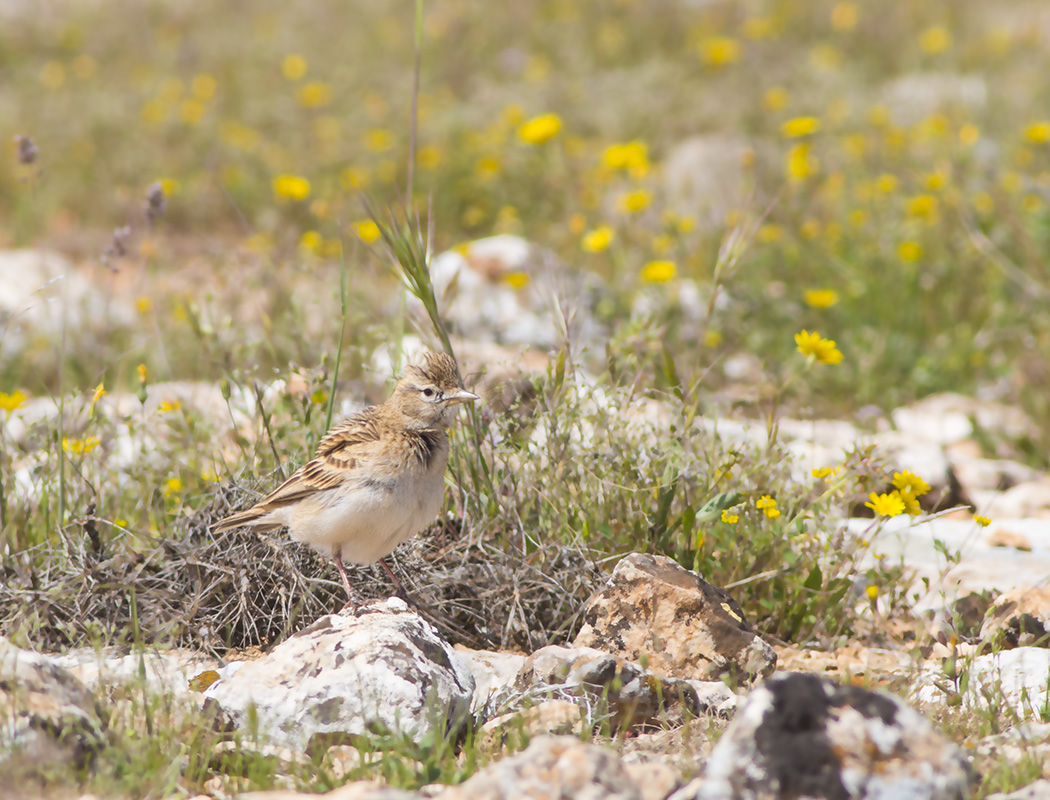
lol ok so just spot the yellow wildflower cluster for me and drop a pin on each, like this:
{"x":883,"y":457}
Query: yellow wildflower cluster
{"x":767,"y":504}
{"x":79,"y":447}
{"x":291,"y":187}
{"x":904,"y":499}
{"x":597,"y":240}
{"x":821,"y":298}
{"x":659,"y":271}
{"x":540,"y":129}
{"x":816,"y":346}
{"x":631,"y":156}
{"x":10,"y":401}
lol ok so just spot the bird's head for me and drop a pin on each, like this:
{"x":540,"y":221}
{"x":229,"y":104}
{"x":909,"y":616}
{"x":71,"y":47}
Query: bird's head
{"x":430,"y":392}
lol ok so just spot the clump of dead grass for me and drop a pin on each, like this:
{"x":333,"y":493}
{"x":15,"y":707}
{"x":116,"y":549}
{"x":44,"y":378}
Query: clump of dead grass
{"x":241,"y":588}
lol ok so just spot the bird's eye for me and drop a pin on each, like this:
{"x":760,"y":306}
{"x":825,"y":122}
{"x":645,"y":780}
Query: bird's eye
{"x":428,"y":392}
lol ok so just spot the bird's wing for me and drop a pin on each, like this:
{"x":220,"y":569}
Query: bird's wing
{"x":340,"y":452}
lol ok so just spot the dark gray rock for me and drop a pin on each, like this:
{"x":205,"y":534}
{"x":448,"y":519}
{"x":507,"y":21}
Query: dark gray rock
{"x":804,"y":736}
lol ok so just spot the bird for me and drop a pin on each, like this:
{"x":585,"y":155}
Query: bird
{"x":377,"y":478}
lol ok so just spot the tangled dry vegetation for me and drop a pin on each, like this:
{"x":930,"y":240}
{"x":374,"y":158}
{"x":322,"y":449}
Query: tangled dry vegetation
{"x":242,"y":589}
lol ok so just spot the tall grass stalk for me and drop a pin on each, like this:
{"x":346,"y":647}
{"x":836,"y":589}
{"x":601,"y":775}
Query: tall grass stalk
{"x":344,"y":307}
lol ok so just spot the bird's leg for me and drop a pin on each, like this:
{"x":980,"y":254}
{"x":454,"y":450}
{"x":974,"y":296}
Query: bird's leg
{"x":353,"y":601}
{"x":401,"y":592}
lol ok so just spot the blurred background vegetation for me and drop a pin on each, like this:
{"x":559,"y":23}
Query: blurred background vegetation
{"x":890,"y":163}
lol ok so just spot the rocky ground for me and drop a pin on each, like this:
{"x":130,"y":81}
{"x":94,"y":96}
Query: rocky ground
{"x":666,"y":691}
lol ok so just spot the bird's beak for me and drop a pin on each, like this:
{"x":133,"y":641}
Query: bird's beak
{"x":461,"y":396}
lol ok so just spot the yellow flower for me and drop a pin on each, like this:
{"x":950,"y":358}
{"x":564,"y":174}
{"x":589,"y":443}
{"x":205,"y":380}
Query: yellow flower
{"x":923,"y":206}
{"x":367,"y":230}
{"x":821,"y":298}
{"x":597,"y":240}
{"x":844,"y":16}
{"x":631,"y":156}
{"x":983,"y":203}
{"x":240,"y":136}
{"x":633,"y":202}
{"x":173,"y":485}
{"x":768,"y":506}
{"x":488,"y":167}
{"x":517,"y":280}
{"x":935,"y":40}
{"x":311,"y":240}
{"x":319,"y":397}
{"x":379,"y":140}
{"x":141,"y":370}
{"x":315,"y":95}
{"x":712,"y":339}
{"x":776,"y":98}
{"x":730,"y":519}
{"x":910,"y":251}
{"x":886,"y":505}
{"x":429,"y":157}
{"x":191,"y":111}
{"x":872,"y":592}
{"x":821,"y":349}
{"x":911,"y":502}
{"x":908,"y":481}
{"x":79,"y":447}
{"x":168,"y":406}
{"x":9,"y":402}
{"x":800,"y":163}
{"x":769,"y":233}
{"x":984,"y":522}
{"x":659,"y":271}
{"x":355,"y":178}
{"x":719,"y":51}
{"x":293,"y":187}
{"x":203,"y":86}
{"x":97,"y":394}
{"x":825,"y":472}
{"x":1038,"y":132}
{"x":800,"y":126}
{"x":143,"y":304}
{"x":886,"y":183}
{"x":969,"y":134}
{"x":540,"y":129}
{"x":293,"y":66}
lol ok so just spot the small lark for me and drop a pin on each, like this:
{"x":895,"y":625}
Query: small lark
{"x":378,"y":477}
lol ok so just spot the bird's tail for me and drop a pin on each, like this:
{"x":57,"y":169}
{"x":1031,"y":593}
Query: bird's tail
{"x":254,"y":518}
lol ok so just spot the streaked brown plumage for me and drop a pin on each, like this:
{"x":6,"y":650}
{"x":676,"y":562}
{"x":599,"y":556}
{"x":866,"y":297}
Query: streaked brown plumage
{"x":378,"y":477}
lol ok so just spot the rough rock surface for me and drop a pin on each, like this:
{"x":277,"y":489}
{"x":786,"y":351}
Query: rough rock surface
{"x":1040,"y":790}
{"x":551,"y":767}
{"x":1018,"y":677}
{"x":1029,"y":740}
{"x":631,"y":695}
{"x":45,"y":712}
{"x":493,"y":673}
{"x":801,"y":735}
{"x":558,"y":717}
{"x":386,"y":669}
{"x":681,"y":625}
{"x":1020,"y":618}
{"x":166,"y":672}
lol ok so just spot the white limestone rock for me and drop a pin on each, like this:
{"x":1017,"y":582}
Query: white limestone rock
{"x":384,"y":669}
